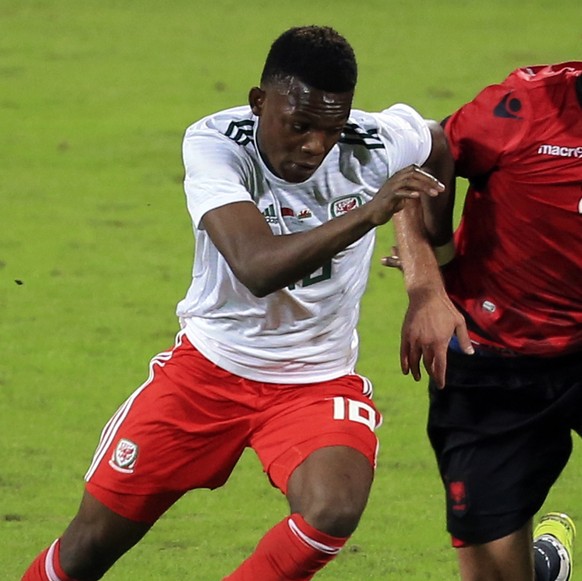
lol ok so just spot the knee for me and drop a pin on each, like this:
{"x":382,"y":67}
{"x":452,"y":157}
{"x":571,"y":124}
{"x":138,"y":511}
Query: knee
{"x":330,"y":489}
{"x":335,"y":512}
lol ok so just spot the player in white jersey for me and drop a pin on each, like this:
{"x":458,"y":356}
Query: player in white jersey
{"x":285,"y":196}
{"x":305,"y":331}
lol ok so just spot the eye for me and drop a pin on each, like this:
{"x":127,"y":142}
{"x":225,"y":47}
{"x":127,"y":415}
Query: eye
{"x":300,"y":127}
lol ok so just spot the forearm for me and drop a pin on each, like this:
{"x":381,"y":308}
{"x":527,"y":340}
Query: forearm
{"x":431,"y":319}
{"x":419,"y":266}
{"x":265,"y":262}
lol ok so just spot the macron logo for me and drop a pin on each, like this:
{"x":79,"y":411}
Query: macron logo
{"x":560,"y":151}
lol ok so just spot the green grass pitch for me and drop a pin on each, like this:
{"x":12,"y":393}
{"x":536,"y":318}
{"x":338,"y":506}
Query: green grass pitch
{"x":96,"y":248}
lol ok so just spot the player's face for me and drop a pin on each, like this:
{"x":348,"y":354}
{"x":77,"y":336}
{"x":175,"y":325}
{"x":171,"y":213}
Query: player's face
{"x":298,"y":126}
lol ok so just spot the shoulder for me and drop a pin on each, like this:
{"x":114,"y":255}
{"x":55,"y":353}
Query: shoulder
{"x":225,"y":138}
{"x":236,"y":124}
{"x":398,"y":136}
{"x":397,"y":118}
{"x":361,"y":130}
{"x":527,"y":93}
{"x":546,"y":75}
{"x":489,"y":126}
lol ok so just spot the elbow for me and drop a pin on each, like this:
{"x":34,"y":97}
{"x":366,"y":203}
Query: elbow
{"x":259,"y":290}
{"x":257,"y":281}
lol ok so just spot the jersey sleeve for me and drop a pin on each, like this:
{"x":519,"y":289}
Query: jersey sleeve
{"x":216,"y":173}
{"x":405,"y":135}
{"x":486,"y":128}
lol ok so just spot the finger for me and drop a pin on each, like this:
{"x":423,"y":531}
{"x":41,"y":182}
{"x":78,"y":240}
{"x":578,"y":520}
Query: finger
{"x":414,"y":362}
{"x":439,"y":366}
{"x":404,"y":359}
{"x":426,"y":174}
{"x":402,"y":194}
{"x":424,"y":183}
{"x":464,"y":339}
{"x":414,"y":191}
{"x":392,"y":262}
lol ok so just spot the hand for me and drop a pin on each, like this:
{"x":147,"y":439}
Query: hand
{"x":409,"y":183}
{"x":430,"y":322}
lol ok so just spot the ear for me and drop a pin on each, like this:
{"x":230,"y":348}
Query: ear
{"x":257,"y":100}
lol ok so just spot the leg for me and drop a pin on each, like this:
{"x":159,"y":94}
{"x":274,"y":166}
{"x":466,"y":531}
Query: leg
{"x":330,"y":489}
{"x":327,"y":494}
{"x":93,"y":541}
{"x":507,"y":559}
{"x":96,"y":538}
{"x":163,"y":429}
{"x":500,"y":437}
{"x":512,"y":559}
{"x":319,"y":449}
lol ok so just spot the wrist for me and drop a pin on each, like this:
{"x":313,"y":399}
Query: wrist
{"x":424,"y":291}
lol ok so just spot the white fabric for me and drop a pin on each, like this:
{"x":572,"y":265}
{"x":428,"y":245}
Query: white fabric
{"x":322,"y":548}
{"x":49,"y":568}
{"x":306,"y":333}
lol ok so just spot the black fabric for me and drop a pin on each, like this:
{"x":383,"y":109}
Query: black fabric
{"x":501,"y":432}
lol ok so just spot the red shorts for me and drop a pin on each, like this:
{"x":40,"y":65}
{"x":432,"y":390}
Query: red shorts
{"x":188,"y":424}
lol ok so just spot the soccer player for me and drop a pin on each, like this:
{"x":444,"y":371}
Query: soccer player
{"x":285,"y":194}
{"x":501,"y":427}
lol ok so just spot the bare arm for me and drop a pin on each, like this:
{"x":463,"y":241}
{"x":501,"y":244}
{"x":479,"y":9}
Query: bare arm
{"x":431,"y":318}
{"x":265,"y":262}
{"x":438,"y":212}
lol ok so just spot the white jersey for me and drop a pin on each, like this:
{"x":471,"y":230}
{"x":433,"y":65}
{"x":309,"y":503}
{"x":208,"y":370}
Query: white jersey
{"x":305,"y":332}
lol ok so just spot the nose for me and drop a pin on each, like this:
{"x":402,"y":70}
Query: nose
{"x":315,"y":144}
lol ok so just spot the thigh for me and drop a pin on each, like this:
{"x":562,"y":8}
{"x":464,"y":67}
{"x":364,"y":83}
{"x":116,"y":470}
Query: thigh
{"x":185,"y":428}
{"x":501,"y":440}
{"x":306,"y":418}
{"x":339,"y":476}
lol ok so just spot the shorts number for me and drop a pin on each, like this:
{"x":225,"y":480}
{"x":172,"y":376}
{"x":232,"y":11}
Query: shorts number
{"x":354,"y":411}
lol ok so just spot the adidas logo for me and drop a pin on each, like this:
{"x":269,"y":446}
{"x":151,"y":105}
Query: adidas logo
{"x":269,"y":214}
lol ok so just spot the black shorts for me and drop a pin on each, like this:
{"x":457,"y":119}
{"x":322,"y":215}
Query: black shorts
{"x":501,"y":432}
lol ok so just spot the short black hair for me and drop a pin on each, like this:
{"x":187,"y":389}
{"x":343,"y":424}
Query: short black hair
{"x":318,"y":55}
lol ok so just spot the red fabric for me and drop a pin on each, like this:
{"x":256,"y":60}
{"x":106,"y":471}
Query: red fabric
{"x":36,"y":571}
{"x":188,"y":425}
{"x":458,"y":544}
{"x":519,"y":243}
{"x":47,"y":560}
{"x":292,"y":549}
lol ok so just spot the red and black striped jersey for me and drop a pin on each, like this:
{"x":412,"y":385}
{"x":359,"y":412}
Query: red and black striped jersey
{"x":517,"y":275}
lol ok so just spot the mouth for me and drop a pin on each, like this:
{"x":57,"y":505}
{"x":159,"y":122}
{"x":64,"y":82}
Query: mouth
{"x":303,"y":172}
{"x":304,"y":167}
{"x":311,"y":166}
{"x":296,"y":171}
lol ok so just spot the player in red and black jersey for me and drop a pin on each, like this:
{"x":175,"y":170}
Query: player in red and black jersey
{"x":519,"y":244}
{"x":501,"y":427}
